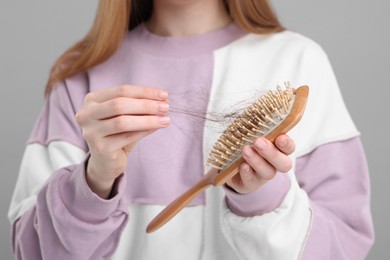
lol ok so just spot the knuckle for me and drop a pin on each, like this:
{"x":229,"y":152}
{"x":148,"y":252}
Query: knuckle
{"x":87,"y":135}
{"x":122,"y":90}
{"x":79,"y":117}
{"x":268,"y":175}
{"x":113,"y":156}
{"x":154,"y":93}
{"x":89,"y":97}
{"x":117,"y":106}
{"x":149,"y":107}
{"x":83,"y":115}
{"x":271,"y":152}
{"x":150,"y":92}
{"x":287,"y":165}
{"x":99,"y":147}
{"x":120,"y":123}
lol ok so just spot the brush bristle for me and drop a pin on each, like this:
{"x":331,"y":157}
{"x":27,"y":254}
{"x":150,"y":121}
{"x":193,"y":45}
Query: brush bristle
{"x":257,"y":120}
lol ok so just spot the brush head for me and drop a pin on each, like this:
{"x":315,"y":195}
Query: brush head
{"x":259,"y":119}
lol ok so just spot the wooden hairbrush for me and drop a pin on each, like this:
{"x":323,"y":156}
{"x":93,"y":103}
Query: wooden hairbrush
{"x":273,"y":114}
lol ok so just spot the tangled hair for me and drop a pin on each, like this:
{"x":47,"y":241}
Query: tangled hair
{"x":115,"y":18}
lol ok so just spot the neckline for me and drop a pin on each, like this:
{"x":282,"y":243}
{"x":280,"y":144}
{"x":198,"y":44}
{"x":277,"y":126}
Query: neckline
{"x":184,"y":46}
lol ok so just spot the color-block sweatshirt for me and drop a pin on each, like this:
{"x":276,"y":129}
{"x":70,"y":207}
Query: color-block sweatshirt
{"x":319,"y":210}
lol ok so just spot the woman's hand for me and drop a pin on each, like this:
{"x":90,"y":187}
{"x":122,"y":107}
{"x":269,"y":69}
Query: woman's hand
{"x":261,"y":163}
{"x":112,"y":121}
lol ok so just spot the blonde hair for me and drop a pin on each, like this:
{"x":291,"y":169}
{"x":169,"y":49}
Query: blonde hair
{"x":114,"y":18}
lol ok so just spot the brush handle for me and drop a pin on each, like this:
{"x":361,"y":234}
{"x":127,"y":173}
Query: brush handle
{"x":177,"y":205}
{"x":288,"y":123}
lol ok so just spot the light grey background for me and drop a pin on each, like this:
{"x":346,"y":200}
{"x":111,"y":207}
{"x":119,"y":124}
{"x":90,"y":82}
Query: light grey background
{"x":354,"y":33}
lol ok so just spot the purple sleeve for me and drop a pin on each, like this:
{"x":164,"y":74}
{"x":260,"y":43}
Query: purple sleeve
{"x":69,"y":221}
{"x":56,"y":121}
{"x":335,"y":177}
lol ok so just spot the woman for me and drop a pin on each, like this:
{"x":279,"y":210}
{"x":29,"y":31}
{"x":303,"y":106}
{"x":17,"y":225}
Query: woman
{"x":107,"y":153}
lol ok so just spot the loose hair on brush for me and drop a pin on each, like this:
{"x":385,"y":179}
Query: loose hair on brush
{"x":115,"y":18}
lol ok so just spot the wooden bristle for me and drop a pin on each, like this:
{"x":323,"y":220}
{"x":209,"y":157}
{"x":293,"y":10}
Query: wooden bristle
{"x":259,"y":118}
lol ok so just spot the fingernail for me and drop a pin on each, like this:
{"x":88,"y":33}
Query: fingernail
{"x":260,"y":144}
{"x":164,"y":120}
{"x":163,"y":107}
{"x":247,"y":151}
{"x":163,"y":94}
{"x":247,"y":168}
{"x":283,"y":142}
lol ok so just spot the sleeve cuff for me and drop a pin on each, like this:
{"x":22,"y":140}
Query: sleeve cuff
{"x":83,"y":202}
{"x":264,"y":200}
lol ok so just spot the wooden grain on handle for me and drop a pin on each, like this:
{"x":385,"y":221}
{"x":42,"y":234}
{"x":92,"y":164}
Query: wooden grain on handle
{"x":174,"y":207}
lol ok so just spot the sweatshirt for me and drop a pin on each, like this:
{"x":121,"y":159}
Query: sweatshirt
{"x":319,"y":210}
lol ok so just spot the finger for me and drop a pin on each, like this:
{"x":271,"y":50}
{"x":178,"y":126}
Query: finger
{"x":128,"y":106}
{"x":113,"y":143}
{"x":125,"y":123}
{"x":127,"y":91}
{"x":261,"y":166}
{"x":246,"y":181}
{"x":269,"y":152}
{"x":285,"y":144}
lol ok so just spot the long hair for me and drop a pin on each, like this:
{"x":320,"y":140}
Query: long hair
{"x":115,"y":18}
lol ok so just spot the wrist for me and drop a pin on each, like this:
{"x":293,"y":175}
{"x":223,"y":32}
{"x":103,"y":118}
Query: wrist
{"x":100,"y":186}
{"x":266,"y":199}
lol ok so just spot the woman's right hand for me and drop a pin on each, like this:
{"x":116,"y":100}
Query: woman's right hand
{"x":112,"y":121}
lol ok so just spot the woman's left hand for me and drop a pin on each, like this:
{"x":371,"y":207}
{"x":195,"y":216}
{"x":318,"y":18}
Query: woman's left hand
{"x":262,"y":161}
